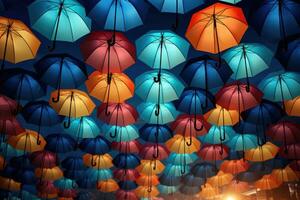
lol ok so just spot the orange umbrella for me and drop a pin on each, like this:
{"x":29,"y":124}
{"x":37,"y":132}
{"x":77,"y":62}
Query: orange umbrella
{"x":109,"y":185}
{"x":144,"y":192}
{"x":262,"y":153}
{"x":98,"y":161}
{"x":2,"y":163}
{"x":180,"y":144}
{"x":9,"y":184}
{"x":292,"y":107}
{"x":208,"y":191}
{"x":47,"y":196}
{"x":285,"y":175}
{"x":217,"y":28}
{"x":234,"y":166}
{"x":26,"y":141}
{"x":222,"y":117}
{"x":220,"y":179}
{"x":149,"y":167}
{"x":49,"y":174}
{"x":71,"y":103}
{"x":237,"y":186}
{"x":113,"y":89}
{"x":145,"y":180}
{"x":17,"y":42}
{"x":268,"y":182}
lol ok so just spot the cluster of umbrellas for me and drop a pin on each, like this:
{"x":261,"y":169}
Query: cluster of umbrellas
{"x":208,"y":130}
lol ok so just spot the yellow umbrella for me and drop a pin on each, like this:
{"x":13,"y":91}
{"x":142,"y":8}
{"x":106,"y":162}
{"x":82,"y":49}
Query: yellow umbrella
{"x":109,"y":185}
{"x":222,"y":117}
{"x":234,"y":166}
{"x":114,"y":88}
{"x":71,"y":103}
{"x":262,"y":153}
{"x":145,"y":180}
{"x":208,"y":191}
{"x":285,"y":175}
{"x":292,"y":107}
{"x":9,"y":184}
{"x":17,"y":42}
{"x":268,"y":182}
{"x":144,"y":192}
{"x":98,"y":161}
{"x":149,"y":167}
{"x":26,"y":141}
{"x":49,"y":174}
{"x":220,"y":179}
{"x":183,"y":145}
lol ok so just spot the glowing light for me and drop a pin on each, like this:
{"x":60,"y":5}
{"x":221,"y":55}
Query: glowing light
{"x":230,"y":198}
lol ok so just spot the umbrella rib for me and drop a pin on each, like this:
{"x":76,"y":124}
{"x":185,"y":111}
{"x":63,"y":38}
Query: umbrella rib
{"x":67,"y":15}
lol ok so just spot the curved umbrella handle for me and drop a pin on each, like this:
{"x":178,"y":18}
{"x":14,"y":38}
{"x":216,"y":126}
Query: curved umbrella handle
{"x":38,"y":141}
{"x":93,"y":163}
{"x":157,"y":79}
{"x":56,"y":99}
{"x":113,"y":135}
{"x":149,"y":190}
{"x":154,"y":165}
{"x":155,"y":154}
{"x":183,"y":169}
{"x":107,"y":112}
{"x":67,"y":124}
{"x":195,"y":125}
{"x":157,"y":110}
{"x":190,"y":142}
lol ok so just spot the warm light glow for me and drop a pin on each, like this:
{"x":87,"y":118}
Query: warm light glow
{"x":230,"y":198}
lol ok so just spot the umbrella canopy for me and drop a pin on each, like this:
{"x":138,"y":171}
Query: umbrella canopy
{"x":8,"y":108}
{"x":9,"y":184}
{"x":148,"y":150}
{"x":288,"y":52}
{"x":214,"y":29}
{"x":145,"y":180}
{"x":98,"y":145}
{"x":248,"y":177}
{"x":132,"y":146}
{"x":108,"y":56}
{"x":43,"y":159}
{"x":10,"y":127}
{"x":290,"y":151}
{"x":150,"y":167}
{"x":73,"y":163}
{"x":175,"y":6}
{"x":220,"y":179}
{"x":232,"y":1}
{"x":65,"y":184}
{"x":98,"y":161}
{"x":143,"y":191}
{"x":238,"y":186}
{"x":17,"y":42}
{"x":60,"y":143}
{"x":106,"y":186}
{"x":262,"y":153}
{"x":218,"y":135}
{"x":208,"y":191}
{"x":126,"y":174}
{"x":120,"y":133}
{"x":286,"y":174}
{"x":177,"y":159}
{"x":234,"y":166}
{"x":130,"y":195}
{"x":191,"y":180}
{"x":213,"y":152}
{"x":292,"y":107}
{"x":180,"y":144}
{"x":151,"y":133}
{"x":267,"y":182}
{"x":222,"y":117}
{"x":66,"y":20}
{"x":126,"y":161}
{"x":49,"y":174}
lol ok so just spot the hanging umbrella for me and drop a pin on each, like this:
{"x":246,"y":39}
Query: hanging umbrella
{"x":8,"y":107}
{"x":9,"y":184}
{"x":232,"y":1}
{"x":288,"y":52}
{"x":208,"y":191}
{"x":175,"y":6}
{"x":165,"y":189}
{"x":10,"y":127}
{"x":109,"y":185}
{"x":189,"y":190}
{"x":213,"y":152}
{"x":17,"y":42}
{"x":49,"y":174}
{"x":128,"y":195}
{"x":149,"y":133}
{"x":191,"y":180}
{"x":267,"y":182}
{"x":43,"y":159}
{"x":143,"y":191}
{"x":220,"y":179}
{"x":72,"y":103}
{"x":176,"y":159}
{"x":60,"y":143}
{"x":127,"y":185}
{"x":83,"y":127}
{"x":59,"y":20}
{"x":147,"y":167}
{"x":98,"y":145}
{"x":132,"y":146}
{"x":234,"y":166}
{"x":262,"y":153}
{"x":65,"y":184}
{"x":144,"y":180}
{"x":73,"y":163}
{"x":286,"y":174}
{"x":148,"y":150}
{"x":170,"y":179}
{"x":222,"y":117}
{"x":248,"y":59}
{"x":61,"y":71}
{"x":290,"y":152}
{"x":248,"y":177}
{"x":108,"y":52}
{"x":237,"y":186}
{"x":129,"y":175}
{"x":179,"y":144}
{"x":120,"y":133}
{"x":126,"y":161}
{"x":206,"y":73}
{"x":243,"y":142}
{"x":276,"y":19}
{"x":96,"y":175}
{"x":41,"y":114}
{"x":103,"y":161}
{"x":216,"y":28}
{"x":215,"y":135}
{"x":121,"y":114}
{"x":292,"y":107}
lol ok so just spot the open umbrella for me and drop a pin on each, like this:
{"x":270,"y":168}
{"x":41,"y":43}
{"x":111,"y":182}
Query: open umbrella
{"x":98,"y":145}
{"x":208,"y":191}
{"x":243,"y":142}
{"x":8,"y":108}
{"x":60,"y":143}
{"x":132,"y":146}
{"x":65,"y":184}
{"x":10,"y":127}
{"x":292,"y":107}
{"x":222,"y":117}
{"x":286,"y":174}
{"x":176,"y":158}
{"x":148,"y":150}
{"x":109,"y":185}
{"x":220,"y":179}
{"x":267,"y":182}
{"x":17,"y":42}
{"x":147,"y":167}
{"x":49,"y":174}
{"x":126,"y":161}
{"x":99,"y":161}
{"x":149,"y":133}
{"x":43,"y":159}
{"x":213,"y":152}
{"x":214,"y":29}
{"x":288,"y":52}
{"x":248,"y":177}
{"x":129,"y":175}
{"x":232,"y":1}
{"x":72,"y":103}
{"x":234,"y":166}
{"x":262,"y":153}
{"x":215,"y":135}
{"x":290,"y":151}
{"x":120,"y":133}
{"x":59,"y":20}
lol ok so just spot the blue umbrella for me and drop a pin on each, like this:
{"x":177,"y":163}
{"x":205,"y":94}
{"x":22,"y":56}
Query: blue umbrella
{"x":98,"y":174}
{"x":276,"y":19}
{"x":248,"y":176}
{"x":61,"y":71}
{"x":170,"y":180}
{"x":62,"y":20}
{"x":25,"y":176}
{"x":289,"y":56}
{"x":86,"y":182}
{"x":204,"y":72}
{"x":242,"y":142}
{"x":164,"y":189}
{"x":60,"y":143}
{"x":189,"y":190}
{"x":177,"y":159}
{"x":176,"y":170}
{"x":218,"y":135}
{"x":40,"y":113}
{"x":204,"y":170}
{"x":84,"y":195}
{"x":277,"y":163}
{"x":65,"y":184}
{"x":127,"y":185}
{"x":191,"y":180}
{"x":98,"y":145}
{"x":126,"y":161}
{"x":260,"y":168}
{"x":74,"y":174}
{"x":73,"y":163}
{"x":149,"y":133}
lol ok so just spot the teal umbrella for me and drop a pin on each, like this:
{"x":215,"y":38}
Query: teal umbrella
{"x":176,"y":170}
{"x":165,"y":189}
{"x":83,"y":127}
{"x":98,"y":174}
{"x":122,"y":133}
{"x":62,"y":20}
{"x":218,"y":135}
{"x":248,"y":59}
{"x":168,"y":89}
{"x":66,"y":184}
{"x":157,"y":113}
{"x":177,"y":159}
{"x":242,"y":142}
{"x":231,"y":1}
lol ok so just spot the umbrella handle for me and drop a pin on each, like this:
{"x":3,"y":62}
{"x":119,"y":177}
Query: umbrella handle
{"x":175,"y":26}
{"x":149,"y":189}
{"x":183,"y":170}
{"x":113,"y":135}
{"x":38,"y":141}
{"x":51,"y":48}
{"x":155,"y":154}
{"x":189,"y":143}
{"x":56,"y":99}
{"x":93,"y":163}
{"x":154,"y":166}
{"x":157,"y":110}
{"x":107,"y":112}
{"x":157,"y":79}
{"x":67,"y":124}
{"x":195,"y":125}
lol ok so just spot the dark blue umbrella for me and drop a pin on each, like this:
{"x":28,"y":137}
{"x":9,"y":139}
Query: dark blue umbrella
{"x":73,"y":163}
{"x":74,"y":174}
{"x":127,"y":185}
{"x":21,"y":162}
{"x":289,"y":55}
{"x":149,"y":133}
{"x":1,"y":6}
{"x":98,"y":145}
{"x":84,"y":195}
{"x":60,"y":143}
{"x":86,"y":183}
{"x":126,"y":161}
{"x":191,"y":180}
{"x":21,"y":84}
{"x":189,"y":190}
{"x":204,"y":170}
{"x":25,"y":176}
{"x":277,"y":163}
{"x":40,"y":113}
{"x":167,"y":180}
{"x":61,"y":71}
{"x":248,"y":176}
{"x":260,"y":168}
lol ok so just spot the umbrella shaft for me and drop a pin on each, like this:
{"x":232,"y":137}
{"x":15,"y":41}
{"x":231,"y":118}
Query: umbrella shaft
{"x":5,"y":49}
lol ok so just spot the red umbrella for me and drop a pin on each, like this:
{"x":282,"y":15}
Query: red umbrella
{"x":149,"y":150}
{"x":291,"y":151}
{"x":295,"y":165}
{"x":129,"y":175}
{"x":46,"y":187}
{"x":120,"y":114}
{"x":10,"y":127}
{"x":184,"y":125}
{"x":108,"y":56}
{"x":126,"y":195}
{"x":132,"y":146}
{"x":238,"y":96}
{"x":286,"y":132}
{"x":8,"y":107}
{"x":71,"y":193}
{"x":43,"y":159}
{"x":213,"y":152}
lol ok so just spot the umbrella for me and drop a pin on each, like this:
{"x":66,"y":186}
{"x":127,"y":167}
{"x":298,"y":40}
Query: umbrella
{"x":103,"y":161}
{"x":132,"y":146}
{"x":288,"y":53}
{"x":220,"y":179}
{"x":121,"y":114}
{"x":126,"y":161}
{"x":73,"y":163}
{"x":175,"y":6}
{"x":43,"y":159}
{"x":144,"y":180}
{"x":165,"y":189}
{"x":248,"y":59}
{"x":234,"y":166}
{"x":213,"y":152}
{"x":290,"y":152}
{"x":72,"y":103}
{"x":143,"y":191}
{"x":120,"y":133}
{"x":108,"y":56}
{"x":9,"y":184}
{"x":95,"y":175}
{"x":176,"y":159}
{"x":276,"y":19}
{"x":248,"y":176}
{"x":130,"y":174}
{"x":262,"y":153}
{"x":8,"y":108}
{"x":59,"y":20}
{"x":222,"y":117}
{"x":215,"y":135}
{"x":83,"y":127}
{"x":286,"y":174}
{"x":148,"y":150}
{"x":98,"y":145}
{"x":109,"y":185}
{"x":61,"y":71}
{"x":204,"y":170}
{"x":127,"y":185}
{"x":176,"y":170}
{"x":191,"y":180}
{"x":10,"y":127}
{"x":128,"y":195}
{"x":49,"y":174}
{"x":208,"y":191}
{"x":169,"y":88}
{"x":180,"y":144}
{"x":60,"y":143}
{"x":214,"y":29}
{"x":232,"y":1}
{"x":267,"y":182}
{"x":206,"y":73}
{"x":292,"y":107}
{"x":189,"y":190}
{"x":149,"y":133}
{"x":65,"y":184}
{"x":41,"y":114}
{"x":150,"y":167}
{"x":17,"y":42}
{"x":242,"y":142}
{"x":238,"y":186}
